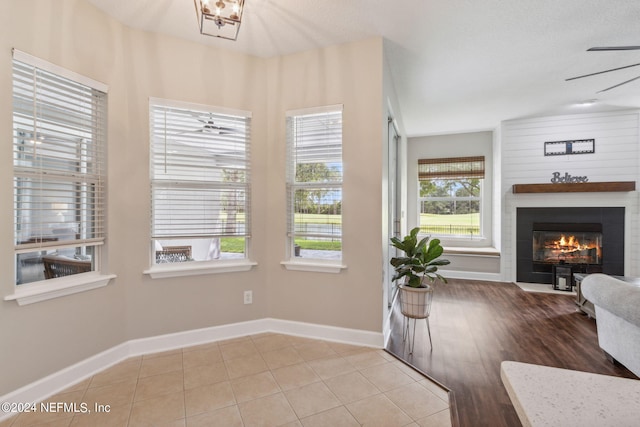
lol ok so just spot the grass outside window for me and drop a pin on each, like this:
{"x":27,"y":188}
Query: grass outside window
{"x":460,"y":225}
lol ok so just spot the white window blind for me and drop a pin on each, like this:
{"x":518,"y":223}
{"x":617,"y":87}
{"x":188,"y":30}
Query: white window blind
{"x":200,"y":171}
{"x":59,"y":143}
{"x":314,"y":175}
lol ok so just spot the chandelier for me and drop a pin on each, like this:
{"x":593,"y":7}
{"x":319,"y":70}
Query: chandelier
{"x":219,"y":18}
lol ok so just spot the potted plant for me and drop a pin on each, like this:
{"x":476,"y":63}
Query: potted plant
{"x":418,"y":267}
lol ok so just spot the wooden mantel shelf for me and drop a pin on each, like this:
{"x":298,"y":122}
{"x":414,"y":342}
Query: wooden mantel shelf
{"x":576,"y":187}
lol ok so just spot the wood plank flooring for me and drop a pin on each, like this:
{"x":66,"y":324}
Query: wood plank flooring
{"x":475,"y":325}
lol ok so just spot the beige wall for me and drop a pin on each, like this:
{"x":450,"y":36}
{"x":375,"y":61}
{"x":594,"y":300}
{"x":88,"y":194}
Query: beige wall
{"x":350,"y":75}
{"x":42,"y":338}
{"x":162,"y":67}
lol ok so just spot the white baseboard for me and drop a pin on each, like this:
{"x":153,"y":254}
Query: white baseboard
{"x":58,"y":381}
{"x":327,"y":333}
{"x":192,"y":337}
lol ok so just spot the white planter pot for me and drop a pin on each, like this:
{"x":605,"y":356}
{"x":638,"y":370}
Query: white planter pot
{"x":416,"y":302}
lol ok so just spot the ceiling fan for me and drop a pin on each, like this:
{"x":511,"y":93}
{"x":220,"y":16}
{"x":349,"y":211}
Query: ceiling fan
{"x":210,"y":126}
{"x":610,"y":48}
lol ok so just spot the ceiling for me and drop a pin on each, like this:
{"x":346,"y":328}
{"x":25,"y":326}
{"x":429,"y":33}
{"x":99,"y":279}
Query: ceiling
{"x":457,"y":65}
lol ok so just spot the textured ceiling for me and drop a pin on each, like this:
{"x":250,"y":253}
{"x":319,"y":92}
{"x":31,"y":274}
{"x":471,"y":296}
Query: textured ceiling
{"x":457,"y":65}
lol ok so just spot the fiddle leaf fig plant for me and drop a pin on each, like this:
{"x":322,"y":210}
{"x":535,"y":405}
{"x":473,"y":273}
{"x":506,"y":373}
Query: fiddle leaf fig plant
{"x":420,"y":261}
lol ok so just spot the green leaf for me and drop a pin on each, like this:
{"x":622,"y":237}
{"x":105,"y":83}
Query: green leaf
{"x":423,"y":242}
{"x":399,"y":261}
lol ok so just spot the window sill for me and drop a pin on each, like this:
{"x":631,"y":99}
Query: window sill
{"x":471,"y":251}
{"x":161,"y":271}
{"x":54,"y":288}
{"x":313,"y":266}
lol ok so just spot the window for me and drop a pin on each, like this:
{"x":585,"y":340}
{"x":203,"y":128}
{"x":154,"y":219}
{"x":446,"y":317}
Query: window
{"x":59,"y":142}
{"x":314,"y":183}
{"x":200,"y":182}
{"x":450,"y":196}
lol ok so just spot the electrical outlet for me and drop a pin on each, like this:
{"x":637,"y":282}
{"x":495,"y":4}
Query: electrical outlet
{"x":248,"y":297}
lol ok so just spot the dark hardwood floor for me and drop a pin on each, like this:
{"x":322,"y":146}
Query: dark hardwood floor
{"x":475,"y":325}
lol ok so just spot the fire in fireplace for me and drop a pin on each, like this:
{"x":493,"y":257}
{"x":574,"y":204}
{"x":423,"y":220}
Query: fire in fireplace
{"x":555,"y":243}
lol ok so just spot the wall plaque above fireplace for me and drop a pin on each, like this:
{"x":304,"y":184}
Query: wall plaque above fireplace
{"x":574,"y":146}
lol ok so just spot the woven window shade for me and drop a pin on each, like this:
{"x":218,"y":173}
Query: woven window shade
{"x":451,"y":168}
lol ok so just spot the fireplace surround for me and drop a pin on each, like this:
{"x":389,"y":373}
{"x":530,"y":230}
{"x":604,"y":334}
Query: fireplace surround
{"x":601,"y":250}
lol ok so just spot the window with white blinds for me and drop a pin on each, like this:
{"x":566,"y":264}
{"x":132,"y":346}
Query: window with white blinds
{"x":314,"y":182}
{"x":59,"y":154}
{"x":200,"y":181}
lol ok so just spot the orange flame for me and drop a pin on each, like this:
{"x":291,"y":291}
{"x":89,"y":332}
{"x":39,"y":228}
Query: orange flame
{"x":571,"y":244}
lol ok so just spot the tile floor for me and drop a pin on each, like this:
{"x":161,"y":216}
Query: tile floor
{"x":258,"y":380}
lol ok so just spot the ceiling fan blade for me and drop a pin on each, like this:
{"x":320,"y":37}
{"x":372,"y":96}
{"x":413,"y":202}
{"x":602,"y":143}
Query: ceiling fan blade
{"x":619,"y":84}
{"x":602,"y":72}
{"x":209,"y":125}
{"x":607,"y":48}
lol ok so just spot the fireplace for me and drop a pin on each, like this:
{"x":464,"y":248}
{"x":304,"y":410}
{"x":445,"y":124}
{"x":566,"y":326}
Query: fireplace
{"x":589,"y":239}
{"x":561,"y":243}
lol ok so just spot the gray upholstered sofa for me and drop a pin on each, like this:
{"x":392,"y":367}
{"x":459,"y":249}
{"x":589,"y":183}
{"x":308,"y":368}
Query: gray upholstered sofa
{"x":617,"y":304}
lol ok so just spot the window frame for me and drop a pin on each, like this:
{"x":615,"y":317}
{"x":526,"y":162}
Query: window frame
{"x":90,"y":231}
{"x":314,"y":264}
{"x":209,"y":266}
{"x":453,"y":176}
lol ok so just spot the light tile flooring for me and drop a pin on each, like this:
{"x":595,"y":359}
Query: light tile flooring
{"x":258,"y":380}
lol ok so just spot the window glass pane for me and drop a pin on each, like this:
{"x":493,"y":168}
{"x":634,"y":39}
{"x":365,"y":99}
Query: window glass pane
{"x":450,"y":207}
{"x":317,"y":247}
{"x":50,"y":264}
{"x":318,"y":223}
{"x":232,"y":247}
{"x":450,"y":187}
{"x":199,"y":249}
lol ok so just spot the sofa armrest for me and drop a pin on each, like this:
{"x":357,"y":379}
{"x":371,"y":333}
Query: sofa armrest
{"x":614,"y":295}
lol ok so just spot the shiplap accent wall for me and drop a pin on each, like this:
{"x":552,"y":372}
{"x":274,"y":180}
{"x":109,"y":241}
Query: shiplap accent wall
{"x":616,"y":158}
